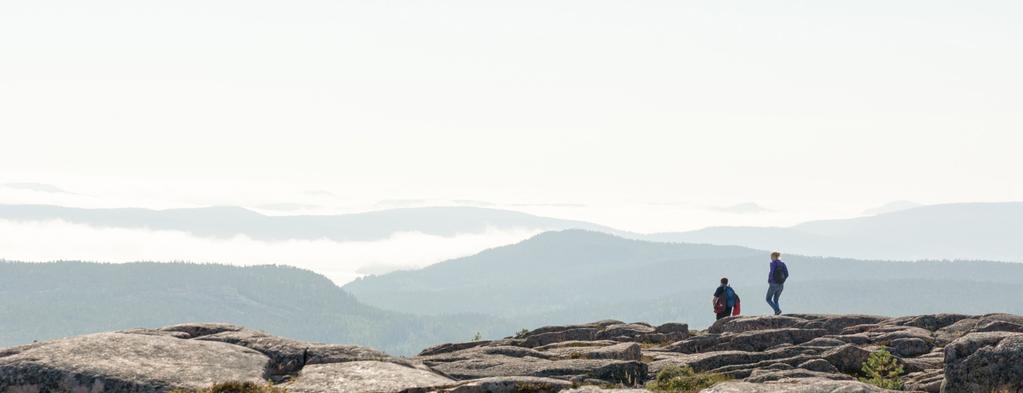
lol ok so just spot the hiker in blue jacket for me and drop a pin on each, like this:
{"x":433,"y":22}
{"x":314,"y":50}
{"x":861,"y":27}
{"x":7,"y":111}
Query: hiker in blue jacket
{"x":724,"y":299}
{"x":776,"y":281}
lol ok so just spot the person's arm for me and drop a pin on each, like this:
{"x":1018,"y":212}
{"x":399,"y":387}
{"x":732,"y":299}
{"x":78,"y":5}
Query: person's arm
{"x":770,"y":275}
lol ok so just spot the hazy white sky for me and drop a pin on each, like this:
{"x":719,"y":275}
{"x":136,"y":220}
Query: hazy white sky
{"x":631,"y":108}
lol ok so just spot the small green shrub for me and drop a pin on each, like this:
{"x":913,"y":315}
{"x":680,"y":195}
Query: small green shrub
{"x":235,"y":387}
{"x":683,"y":380}
{"x":477,"y":337}
{"x":882,"y":370}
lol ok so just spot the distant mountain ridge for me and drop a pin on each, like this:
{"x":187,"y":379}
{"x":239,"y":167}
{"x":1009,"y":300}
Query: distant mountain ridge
{"x":977,"y":231}
{"x":891,"y":207}
{"x":572,"y":276}
{"x":228,"y":221}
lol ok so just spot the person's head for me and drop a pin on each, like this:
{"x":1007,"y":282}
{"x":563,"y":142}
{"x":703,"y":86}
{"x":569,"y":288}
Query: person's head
{"x":724,"y":281}
{"x":775,"y":256}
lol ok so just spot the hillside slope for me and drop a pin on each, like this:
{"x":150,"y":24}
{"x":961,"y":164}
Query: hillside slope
{"x":48,"y":300}
{"x":573,"y":276}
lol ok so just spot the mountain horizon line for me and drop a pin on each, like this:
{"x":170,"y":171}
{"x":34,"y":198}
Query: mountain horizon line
{"x":981,"y":230}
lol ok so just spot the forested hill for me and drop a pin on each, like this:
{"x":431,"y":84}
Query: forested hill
{"x":48,"y":300}
{"x":574,"y":276}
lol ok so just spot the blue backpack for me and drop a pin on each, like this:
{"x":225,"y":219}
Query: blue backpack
{"x":730,"y":296}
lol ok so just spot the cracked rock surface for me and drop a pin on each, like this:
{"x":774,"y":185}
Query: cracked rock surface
{"x":799,"y":353}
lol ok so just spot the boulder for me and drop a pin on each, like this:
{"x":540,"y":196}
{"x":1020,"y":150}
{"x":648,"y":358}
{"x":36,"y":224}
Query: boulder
{"x":984,"y":362}
{"x":552,"y":329}
{"x":363,"y":376}
{"x":761,"y":376}
{"x":925,"y":381}
{"x":798,"y":385}
{"x":857,"y":339}
{"x":613,"y":371}
{"x":823,"y":342}
{"x":336,"y":353}
{"x":759,"y":340}
{"x":620,"y":351}
{"x":737,"y":363}
{"x":847,"y":358}
{"x":576,"y":344}
{"x":452,"y":347}
{"x":584,"y":334}
{"x":747,"y":323}
{"x":956,"y":330}
{"x":673,"y":328}
{"x":695,"y":344}
{"x":930,"y":322}
{"x":118,"y":362}
{"x":287,"y":355}
{"x":835,"y":324}
{"x":912,"y":365}
{"x":887,"y":335}
{"x":704,"y":361}
{"x":910,"y":347}
{"x":506,"y":384}
{"x":998,"y":326}
{"x":628,"y":330}
{"x":741,"y":371}
{"x":984,"y":323}
{"x":820,"y":365}
{"x":597,"y":389}
{"x":483,"y":352}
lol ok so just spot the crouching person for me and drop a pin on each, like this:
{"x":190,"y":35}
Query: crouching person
{"x":726,"y":302}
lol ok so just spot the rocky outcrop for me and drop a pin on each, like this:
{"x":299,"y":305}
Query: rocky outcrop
{"x":984,"y":362}
{"x":196,"y":356}
{"x":119,"y":362}
{"x":801,"y":353}
{"x":796,"y":385}
{"x":363,"y":376}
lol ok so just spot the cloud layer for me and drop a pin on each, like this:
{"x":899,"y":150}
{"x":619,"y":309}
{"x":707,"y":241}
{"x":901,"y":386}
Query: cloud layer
{"x":340,"y":261}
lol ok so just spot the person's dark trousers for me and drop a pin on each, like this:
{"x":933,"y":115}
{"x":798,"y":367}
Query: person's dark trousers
{"x":773,"y":295}
{"x":726,"y":313}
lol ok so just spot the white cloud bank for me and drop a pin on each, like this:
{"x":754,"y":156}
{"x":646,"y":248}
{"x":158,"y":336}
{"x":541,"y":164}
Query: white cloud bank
{"x":339,"y":261}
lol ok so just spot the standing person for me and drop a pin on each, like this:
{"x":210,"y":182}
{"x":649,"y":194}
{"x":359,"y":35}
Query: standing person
{"x":776,"y":281}
{"x":724,"y":299}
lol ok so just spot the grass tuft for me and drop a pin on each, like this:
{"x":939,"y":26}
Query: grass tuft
{"x":235,"y":387}
{"x":677,"y":379}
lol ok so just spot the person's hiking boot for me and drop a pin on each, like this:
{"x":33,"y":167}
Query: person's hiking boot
{"x":777,"y":313}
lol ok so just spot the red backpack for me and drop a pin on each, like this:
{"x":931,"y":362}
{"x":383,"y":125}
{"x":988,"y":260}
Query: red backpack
{"x":720,"y":304}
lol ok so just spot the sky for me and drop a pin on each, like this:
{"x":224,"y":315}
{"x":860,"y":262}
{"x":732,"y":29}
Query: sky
{"x":643,"y":115}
